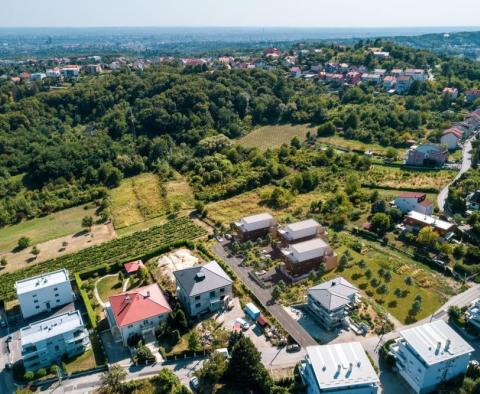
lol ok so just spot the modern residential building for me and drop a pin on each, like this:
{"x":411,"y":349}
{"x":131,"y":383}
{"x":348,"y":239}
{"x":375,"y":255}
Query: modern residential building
{"x":473,"y":201}
{"x":389,"y":82}
{"x":53,"y":73}
{"x":47,"y":341}
{"x":37,"y":76}
{"x":255,"y":226}
{"x":43,"y":293}
{"x":341,"y":368}
{"x":472,"y":314}
{"x":430,"y":354}
{"x":428,"y":155}
{"x":304,"y":257}
{"x":416,"y":221}
{"x":451,"y":137}
{"x":412,"y":201}
{"x":300,"y":231}
{"x":137,"y":312}
{"x":93,"y":68}
{"x":330,"y":302}
{"x":403,"y":83}
{"x":416,"y":74}
{"x":371,"y":78}
{"x":472,"y":95}
{"x":70,"y":71}
{"x":203,"y":289}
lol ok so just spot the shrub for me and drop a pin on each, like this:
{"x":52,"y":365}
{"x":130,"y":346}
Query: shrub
{"x":41,"y":373}
{"x":144,"y":355}
{"x":23,"y":243}
{"x":28,"y":376}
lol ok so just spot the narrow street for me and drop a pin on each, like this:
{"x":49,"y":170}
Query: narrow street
{"x":466,"y":164}
{"x":297,"y":332}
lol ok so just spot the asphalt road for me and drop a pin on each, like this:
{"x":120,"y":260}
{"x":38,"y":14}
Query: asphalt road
{"x":466,"y":164}
{"x":291,"y":326}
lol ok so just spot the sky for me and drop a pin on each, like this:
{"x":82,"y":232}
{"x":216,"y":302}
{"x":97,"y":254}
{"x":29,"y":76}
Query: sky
{"x":251,"y":13}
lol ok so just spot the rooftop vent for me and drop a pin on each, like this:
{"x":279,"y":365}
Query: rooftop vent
{"x":148,"y":294}
{"x":199,"y":276}
{"x":127,"y":299}
{"x":447,"y":344}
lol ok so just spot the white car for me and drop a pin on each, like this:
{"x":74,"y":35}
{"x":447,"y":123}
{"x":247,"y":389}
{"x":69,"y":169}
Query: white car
{"x":260,"y":273}
{"x":195,"y":383}
{"x":243,"y":323}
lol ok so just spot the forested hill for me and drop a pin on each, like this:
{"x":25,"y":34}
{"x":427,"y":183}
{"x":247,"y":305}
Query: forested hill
{"x":64,"y":147}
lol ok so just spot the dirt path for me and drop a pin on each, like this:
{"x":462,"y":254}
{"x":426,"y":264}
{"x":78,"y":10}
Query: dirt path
{"x":55,"y":247}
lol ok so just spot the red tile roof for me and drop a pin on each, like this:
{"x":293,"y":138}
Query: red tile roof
{"x":425,"y":203}
{"x":411,"y":195}
{"x":133,"y":266}
{"x":456,"y":132}
{"x":138,"y":304}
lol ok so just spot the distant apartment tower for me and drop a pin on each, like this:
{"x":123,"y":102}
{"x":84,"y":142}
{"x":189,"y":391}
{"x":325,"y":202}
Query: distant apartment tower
{"x":43,"y":293}
{"x":342,"y":368}
{"x":255,"y":226}
{"x":47,"y":341}
{"x":429,"y":355}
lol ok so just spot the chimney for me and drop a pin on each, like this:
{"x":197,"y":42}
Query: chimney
{"x":127,"y":299}
{"x":447,"y":344}
{"x":439,"y":346}
{"x":148,"y":293}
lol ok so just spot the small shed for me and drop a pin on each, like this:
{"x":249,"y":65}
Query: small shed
{"x":133,"y":266}
{"x":252,"y":311}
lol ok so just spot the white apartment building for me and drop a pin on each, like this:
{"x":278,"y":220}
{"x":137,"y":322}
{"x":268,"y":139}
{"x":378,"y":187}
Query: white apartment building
{"x":252,"y":227}
{"x":300,"y":231}
{"x":47,"y":341}
{"x":413,"y":201}
{"x":430,"y":354}
{"x":341,"y":368}
{"x":43,"y":293}
{"x":472,"y":314}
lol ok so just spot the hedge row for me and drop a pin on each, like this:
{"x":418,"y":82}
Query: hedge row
{"x":92,"y":317}
{"x":403,"y":188}
{"x":134,"y":246}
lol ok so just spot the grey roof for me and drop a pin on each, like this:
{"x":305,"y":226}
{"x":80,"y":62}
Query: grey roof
{"x":202,"y":278}
{"x":436,"y":342}
{"x":333,"y":294}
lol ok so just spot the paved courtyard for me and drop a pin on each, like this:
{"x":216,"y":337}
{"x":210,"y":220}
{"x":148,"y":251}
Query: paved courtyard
{"x":176,"y":260}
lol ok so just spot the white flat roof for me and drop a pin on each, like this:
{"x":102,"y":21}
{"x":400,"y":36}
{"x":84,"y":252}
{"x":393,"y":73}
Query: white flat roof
{"x":307,"y":246}
{"x":257,"y":218}
{"x":341,"y":365}
{"x":430,"y":220}
{"x":41,"y":281}
{"x":436,"y":342}
{"x":309,"y":223}
{"x":51,"y":327}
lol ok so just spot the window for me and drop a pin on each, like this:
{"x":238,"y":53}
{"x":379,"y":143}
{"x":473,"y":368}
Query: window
{"x":37,"y":307}
{"x":212,"y":294}
{"x":57,"y":295}
{"x":130,"y":326}
{"x":35,"y":301}
{"x":34,"y":296}
{"x":197,"y":305}
{"x":222,"y":290}
{"x":197,"y":298}
{"x":58,"y":299}
{"x":57,"y":348}
{"x":55,"y":289}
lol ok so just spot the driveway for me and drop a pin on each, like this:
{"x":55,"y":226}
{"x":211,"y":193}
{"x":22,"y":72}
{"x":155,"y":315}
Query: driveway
{"x":297,"y":332}
{"x":466,"y":164}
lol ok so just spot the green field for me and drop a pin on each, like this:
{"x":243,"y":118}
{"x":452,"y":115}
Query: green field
{"x":274,"y":136}
{"x":358,"y":145}
{"x":45,"y":228}
{"x":145,"y":197}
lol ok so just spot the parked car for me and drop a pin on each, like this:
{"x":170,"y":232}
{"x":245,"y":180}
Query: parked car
{"x":260,"y":273}
{"x":293,"y":348}
{"x":228,"y":237}
{"x":195,"y":383}
{"x":243,"y":323}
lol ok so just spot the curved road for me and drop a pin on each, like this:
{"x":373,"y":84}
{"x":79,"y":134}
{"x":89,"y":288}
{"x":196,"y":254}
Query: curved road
{"x":466,"y":164}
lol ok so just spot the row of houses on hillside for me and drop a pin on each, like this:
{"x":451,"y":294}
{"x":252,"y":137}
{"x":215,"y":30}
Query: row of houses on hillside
{"x":426,"y":356}
{"x":452,"y":137}
{"x":301,"y":245}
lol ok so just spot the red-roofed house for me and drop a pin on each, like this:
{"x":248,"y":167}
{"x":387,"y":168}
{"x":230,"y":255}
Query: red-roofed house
{"x":133,"y":266}
{"x":412,"y":201}
{"x":472,"y":94}
{"x":138,"y":311}
{"x":451,"y":138}
{"x":296,"y":72}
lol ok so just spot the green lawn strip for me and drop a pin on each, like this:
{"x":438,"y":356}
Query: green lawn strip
{"x":55,"y":225}
{"x":107,"y":286}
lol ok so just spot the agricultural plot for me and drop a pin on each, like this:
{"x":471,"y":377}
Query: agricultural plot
{"x":274,"y":136}
{"x":401,"y":178}
{"x":118,"y":250}
{"x":145,"y":196}
{"x":357,"y":145}
{"x":55,"y":225}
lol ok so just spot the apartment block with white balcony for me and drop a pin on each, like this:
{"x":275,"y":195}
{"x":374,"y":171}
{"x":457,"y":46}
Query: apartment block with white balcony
{"x":43,"y":293}
{"x":430,"y":354}
{"x":47,"y":341}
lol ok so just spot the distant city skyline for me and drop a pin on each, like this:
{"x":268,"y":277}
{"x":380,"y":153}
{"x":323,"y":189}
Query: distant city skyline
{"x":248,"y":13}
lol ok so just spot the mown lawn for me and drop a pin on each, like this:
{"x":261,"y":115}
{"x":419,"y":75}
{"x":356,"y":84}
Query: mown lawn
{"x":92,"y":358}
{"x":108,"y":286}
{"x":145,"y":197}
{"x":55,"y":225}
{"x":274,"y":136}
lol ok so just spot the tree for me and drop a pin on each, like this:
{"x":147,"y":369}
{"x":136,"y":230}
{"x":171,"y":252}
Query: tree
{"x":112,"y":379}
{"x":245,"y":368}
{"x":166,"y":382}
{"x":180,"y":320}
{"x":427,"y":237}
{"x":144,"y":355}
{"x":35,"y":251}
{"x":409,"y":281}
{"x":392,"y":153}
{"x":276,"y":292}
{"x":380,"y":223}
{"x":87,"y":221}
{"x":326,"y":130}
{"x":194,"y":341}
{"x":454,"y":313}
{"x":212,"y":371}
{"x":23,"y":243}
{"x":3,"y":261}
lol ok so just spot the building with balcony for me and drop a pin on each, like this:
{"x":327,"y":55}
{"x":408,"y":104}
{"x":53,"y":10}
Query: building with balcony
{"x":472,"y":314}
{"x":203,"y":289}
{"x":341,"y":368}
{"x":304,"y":257}
{"x":42,"y":293}
{"x":137,"y":312}
{"x":300,"y":231}
{"x":331,"y":302}
{"x":430,"y":354}
{"x":47,"y":341}
{"x":415,"y":221}
{"x":255,"y":226}
{"x":413,"y":201}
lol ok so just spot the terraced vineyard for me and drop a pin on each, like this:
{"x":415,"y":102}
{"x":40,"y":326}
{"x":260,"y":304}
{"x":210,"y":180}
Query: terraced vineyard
{"x":118,"y":250}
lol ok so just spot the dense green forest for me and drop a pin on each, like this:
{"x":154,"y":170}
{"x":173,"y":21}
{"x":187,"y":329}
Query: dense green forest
{"x":64,"y":147}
